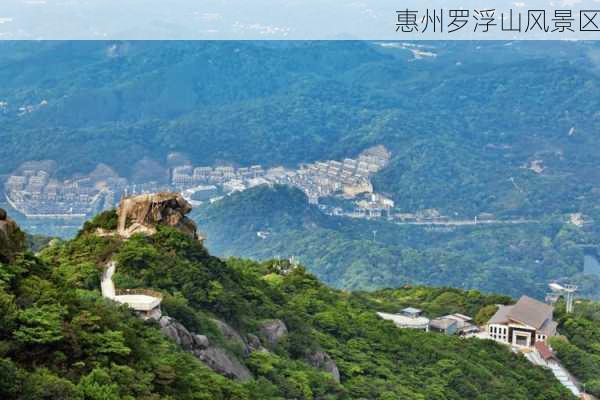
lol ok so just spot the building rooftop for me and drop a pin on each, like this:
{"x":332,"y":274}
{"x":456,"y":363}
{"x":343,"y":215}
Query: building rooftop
{"x":404,"y":321}
{"x":501,"y":316}
{"x":527,"y":311}
{"x":549,"y":328}
{"x":411,"y":310}
{"x":544,"y":351}
{"x":531,"y":312}
{"x":442,"y":323}
{"x":462,"y":317}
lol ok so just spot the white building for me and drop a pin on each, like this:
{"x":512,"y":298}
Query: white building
{"x":234,"y":185}
{"x":408,"y":318}
{"x":522,"y":324}
{"x":202,"y":173}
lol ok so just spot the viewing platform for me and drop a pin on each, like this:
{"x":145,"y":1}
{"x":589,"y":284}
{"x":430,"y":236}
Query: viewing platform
{"x":408,"y":318}
{"x":145,"y":302}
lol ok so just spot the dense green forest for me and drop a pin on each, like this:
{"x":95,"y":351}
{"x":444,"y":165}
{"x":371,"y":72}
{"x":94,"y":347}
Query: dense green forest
{"x":59,"y":339}
{"x":344,"y":253}
{"x":580,"y":354}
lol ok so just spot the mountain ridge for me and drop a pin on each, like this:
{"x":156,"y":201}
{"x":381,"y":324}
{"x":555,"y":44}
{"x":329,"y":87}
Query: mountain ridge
{"x":89,"y":348}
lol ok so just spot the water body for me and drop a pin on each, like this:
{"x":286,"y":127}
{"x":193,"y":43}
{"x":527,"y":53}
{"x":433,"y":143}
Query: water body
{"x":591,"y":265}
{"x":65,"y":229}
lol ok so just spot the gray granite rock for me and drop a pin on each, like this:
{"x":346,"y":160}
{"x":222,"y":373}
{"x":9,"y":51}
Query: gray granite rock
{"x":223,"y":363}
{"x":322,"y":360}
{"x":273,"y":331}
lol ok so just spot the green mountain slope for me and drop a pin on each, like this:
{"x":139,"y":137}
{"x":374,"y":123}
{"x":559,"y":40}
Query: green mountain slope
{"x":510,"y":259}
{"x":461,"y":126}
{"x":581,"y":352}
{"x":61,"y":340}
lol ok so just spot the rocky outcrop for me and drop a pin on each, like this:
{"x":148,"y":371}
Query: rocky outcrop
{"x":273,"y":331}
{"x":12,"y":239}
{"x":180,"y":335}
{"x":232,"y":336}
{"x":322,"y":360}
{"x":141,"y":214}
{"x":254,"y":343}
{"x":223,"y":363}
{"x":213,"y":356}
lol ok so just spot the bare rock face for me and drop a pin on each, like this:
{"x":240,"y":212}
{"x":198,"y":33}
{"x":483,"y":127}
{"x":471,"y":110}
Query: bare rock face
{"x":232,"y":335}
{"x":254,"y":343}
{"x":12,"y":239}
{"x":179,"y":333}
{"x":213,"y":356}
{"x":322,"y":360}
{"x":141,"y":214}
{"x":223,"y":363}
{"x":273,"y":331}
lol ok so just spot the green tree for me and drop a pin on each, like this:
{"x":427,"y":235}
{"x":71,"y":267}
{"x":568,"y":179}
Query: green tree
{"x":40,"y":325}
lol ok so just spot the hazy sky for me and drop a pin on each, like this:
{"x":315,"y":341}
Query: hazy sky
{"x":239,"y":19}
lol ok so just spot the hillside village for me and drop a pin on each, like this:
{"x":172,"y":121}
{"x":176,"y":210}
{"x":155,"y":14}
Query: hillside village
{"x":33,"y":190}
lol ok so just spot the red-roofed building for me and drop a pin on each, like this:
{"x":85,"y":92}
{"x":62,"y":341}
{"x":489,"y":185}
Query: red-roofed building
{"x":544,"y":351}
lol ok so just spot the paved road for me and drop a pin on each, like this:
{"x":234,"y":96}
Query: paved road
{"x":469,"y":222}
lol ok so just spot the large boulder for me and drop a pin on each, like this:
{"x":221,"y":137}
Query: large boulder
{"x":322,"y":360}
{"x":12,"y":239}
{"x":180,"y":335}
{"x":141,"y":214}
{"x":273,"y":330}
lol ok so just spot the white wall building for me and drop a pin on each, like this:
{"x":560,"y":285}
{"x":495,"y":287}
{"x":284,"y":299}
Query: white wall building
{"x":522,"y":324}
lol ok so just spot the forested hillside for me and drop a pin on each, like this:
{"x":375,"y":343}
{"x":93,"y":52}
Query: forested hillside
{"x":59,"y":339}
{"x":345,"y":253}
{"x":464,"y":127}
{"x":581,"y":352}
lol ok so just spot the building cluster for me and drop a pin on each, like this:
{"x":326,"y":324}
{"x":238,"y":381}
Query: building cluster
{"x":374,"y":206}
{"x":413,"y":318}
{"x":524,"y":326}
{"x":207,"y":183}
{"x":350,"y":177}
{"x":521,"y":325}
{"x":186,"y":176}
{"x":35,"y":193}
